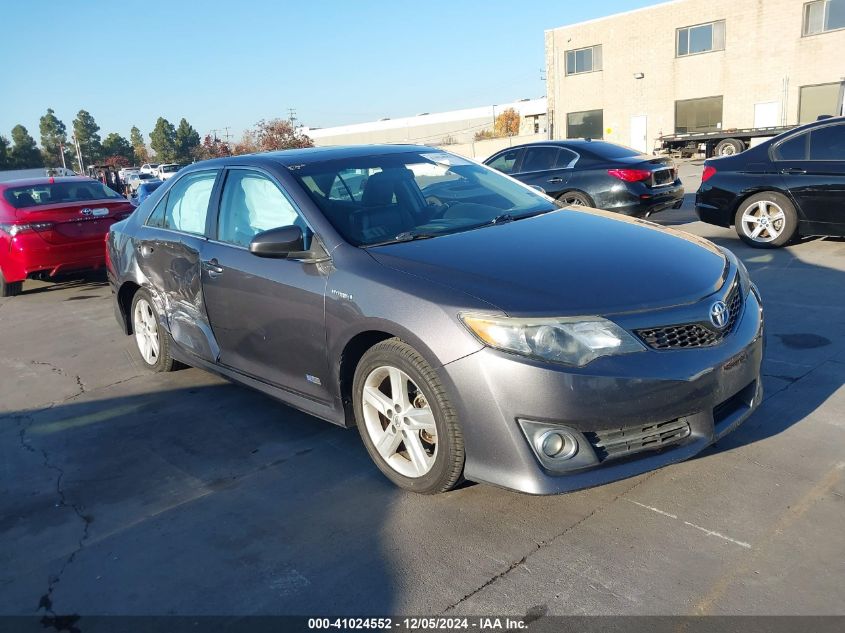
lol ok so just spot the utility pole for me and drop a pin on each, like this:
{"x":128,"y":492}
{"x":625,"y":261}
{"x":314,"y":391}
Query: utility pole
{"x":227,"y":135}
{"x":78,"y":154}
{"x":292,"y":116}
{"x":62,"y":152}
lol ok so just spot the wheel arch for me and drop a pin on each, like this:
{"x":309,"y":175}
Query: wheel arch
{"x":745,"y":195}
{"x":350,"y":356}
{"x":124,"y":302}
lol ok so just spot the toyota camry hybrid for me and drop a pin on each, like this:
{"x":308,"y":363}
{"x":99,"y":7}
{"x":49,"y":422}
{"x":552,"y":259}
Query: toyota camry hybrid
{"x":469,"y":326}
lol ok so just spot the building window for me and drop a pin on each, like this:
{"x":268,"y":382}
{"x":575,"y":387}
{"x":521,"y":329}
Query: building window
{"x":698,"y":115}
{"x":583,"y":60}
{"x":815,"y":101}
{"x":824,"y":15}
{"x":701,"y":38}
{"x":589,"y":124}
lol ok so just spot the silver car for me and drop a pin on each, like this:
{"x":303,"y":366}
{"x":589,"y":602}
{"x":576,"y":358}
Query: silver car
{"x":468,"y":325}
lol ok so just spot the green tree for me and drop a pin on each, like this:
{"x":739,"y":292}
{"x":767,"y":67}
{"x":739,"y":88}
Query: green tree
{"x":138,"y":145}
{"x":53,"y":139}
{"x":86,"y":131}
{"x":187,"y":141}
{"x":24,"y":153}
{"x":5,"y":159}
{"x":116,"y":145}
{"x":163,"y":141}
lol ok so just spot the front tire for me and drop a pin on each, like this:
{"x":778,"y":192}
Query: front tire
{"x":406,"y":420}
{"x":152,"y":341}
{"x":9,"y":289}
{"x":766,"y":220}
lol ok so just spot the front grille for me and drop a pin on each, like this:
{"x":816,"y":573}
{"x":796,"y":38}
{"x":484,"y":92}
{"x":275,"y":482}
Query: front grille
{"x":617,"y":443}
{"x":692,"y":335}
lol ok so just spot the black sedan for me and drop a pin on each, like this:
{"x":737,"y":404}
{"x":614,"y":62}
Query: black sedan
{"x":792,"y":185}
{"x":595,"y":174}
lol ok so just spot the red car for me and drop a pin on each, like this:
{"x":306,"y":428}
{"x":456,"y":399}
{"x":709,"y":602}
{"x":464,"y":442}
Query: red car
{"x":54,"y":225}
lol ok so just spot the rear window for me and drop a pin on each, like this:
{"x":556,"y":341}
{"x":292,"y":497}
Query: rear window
{"x":169,"y":168}
{"x":610,"y":150}
{"x":58,"y":193}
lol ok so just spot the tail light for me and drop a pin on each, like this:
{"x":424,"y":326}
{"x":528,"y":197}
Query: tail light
{"x":708,"y":173}
{"x":630,"y":175}
{"x":17,"y":229}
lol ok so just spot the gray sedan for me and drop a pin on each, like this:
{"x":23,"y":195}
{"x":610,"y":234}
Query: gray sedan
{"x":468,"y":325}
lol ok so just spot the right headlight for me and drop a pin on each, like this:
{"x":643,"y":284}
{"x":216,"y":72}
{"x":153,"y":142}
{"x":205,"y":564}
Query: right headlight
{"x":567,"y":340}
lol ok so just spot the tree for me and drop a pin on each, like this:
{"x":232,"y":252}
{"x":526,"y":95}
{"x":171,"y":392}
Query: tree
{"x":5,"y":159}
{"x":136,"y":139}
{"x":507,"y":123}
{"x":117,"y":161}
{"x":117,"y":146}
{"x":278,"y":134}
{"x":187,"y":141}
{"x":211,"y":147}
{"x":163,"y":141}
{"x":54,"y":140}
{"x":24,"y":153}
{"x":86,"y":131}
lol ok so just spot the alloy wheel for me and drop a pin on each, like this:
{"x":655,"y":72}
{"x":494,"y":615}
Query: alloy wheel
{"x":399,"y":421}
{"x":146,"y":331}
{"x":763,"y":221}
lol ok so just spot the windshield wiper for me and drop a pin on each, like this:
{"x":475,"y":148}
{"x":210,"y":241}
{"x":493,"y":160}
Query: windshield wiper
{"x":410,"y":236}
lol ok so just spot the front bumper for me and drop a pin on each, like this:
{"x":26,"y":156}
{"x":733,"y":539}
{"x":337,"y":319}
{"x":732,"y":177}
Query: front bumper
{"x":712,"y":389}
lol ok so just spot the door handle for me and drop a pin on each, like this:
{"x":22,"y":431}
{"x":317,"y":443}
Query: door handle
{"x":146,"y":250}
{"x":793,"y":171}
{"x":213,"y":267}
{"x":555,"y":180}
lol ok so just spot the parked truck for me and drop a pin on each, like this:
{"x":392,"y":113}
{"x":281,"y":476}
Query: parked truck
{"x":718,"y":143}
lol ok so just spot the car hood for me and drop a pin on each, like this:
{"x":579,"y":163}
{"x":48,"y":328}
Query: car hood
{"x":567,"y":262}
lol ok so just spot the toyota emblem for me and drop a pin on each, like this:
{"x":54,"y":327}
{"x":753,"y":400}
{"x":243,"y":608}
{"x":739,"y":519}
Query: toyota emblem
{"x":719,"y":314}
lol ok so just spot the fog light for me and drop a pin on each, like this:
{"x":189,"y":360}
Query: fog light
{"x":557,"y":444}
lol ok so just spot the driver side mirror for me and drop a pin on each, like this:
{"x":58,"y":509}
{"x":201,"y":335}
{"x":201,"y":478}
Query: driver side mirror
{"x":278,"y":243}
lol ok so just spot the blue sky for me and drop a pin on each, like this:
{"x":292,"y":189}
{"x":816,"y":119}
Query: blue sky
{"x":232,"y":62}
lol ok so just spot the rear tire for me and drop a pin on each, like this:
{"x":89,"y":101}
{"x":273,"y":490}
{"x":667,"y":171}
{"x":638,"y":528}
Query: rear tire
{"x":9,"y":289}
{"x":766,"y":220}
{"x":420,"y":444}
{"x":575,"y":199}
{"x":729,"y":147}
{"x":151,"y":340}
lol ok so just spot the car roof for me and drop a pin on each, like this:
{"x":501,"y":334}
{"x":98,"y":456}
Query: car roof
{"x":819,"y":123}
{"x":44,"y":180}
{"x":289,"y":157}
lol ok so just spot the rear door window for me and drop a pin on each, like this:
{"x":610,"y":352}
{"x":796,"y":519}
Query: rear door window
{"x":185,"y":208}
{"x":794,"y":148}
{"x":566,"y":158}
{"x":828,"y":143}
{"x":539,"y":159}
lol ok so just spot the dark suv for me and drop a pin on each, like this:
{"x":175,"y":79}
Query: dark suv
{"x":595,"y":174}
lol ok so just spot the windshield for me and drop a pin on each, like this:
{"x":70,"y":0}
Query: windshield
{"x":58,"y":193}
{"x":380,"y":199}
{"x":169,"y":168}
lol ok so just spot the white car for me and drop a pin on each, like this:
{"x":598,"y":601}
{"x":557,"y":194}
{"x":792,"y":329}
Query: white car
{"x":167,"y":170}
{"x":149,"y":168}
